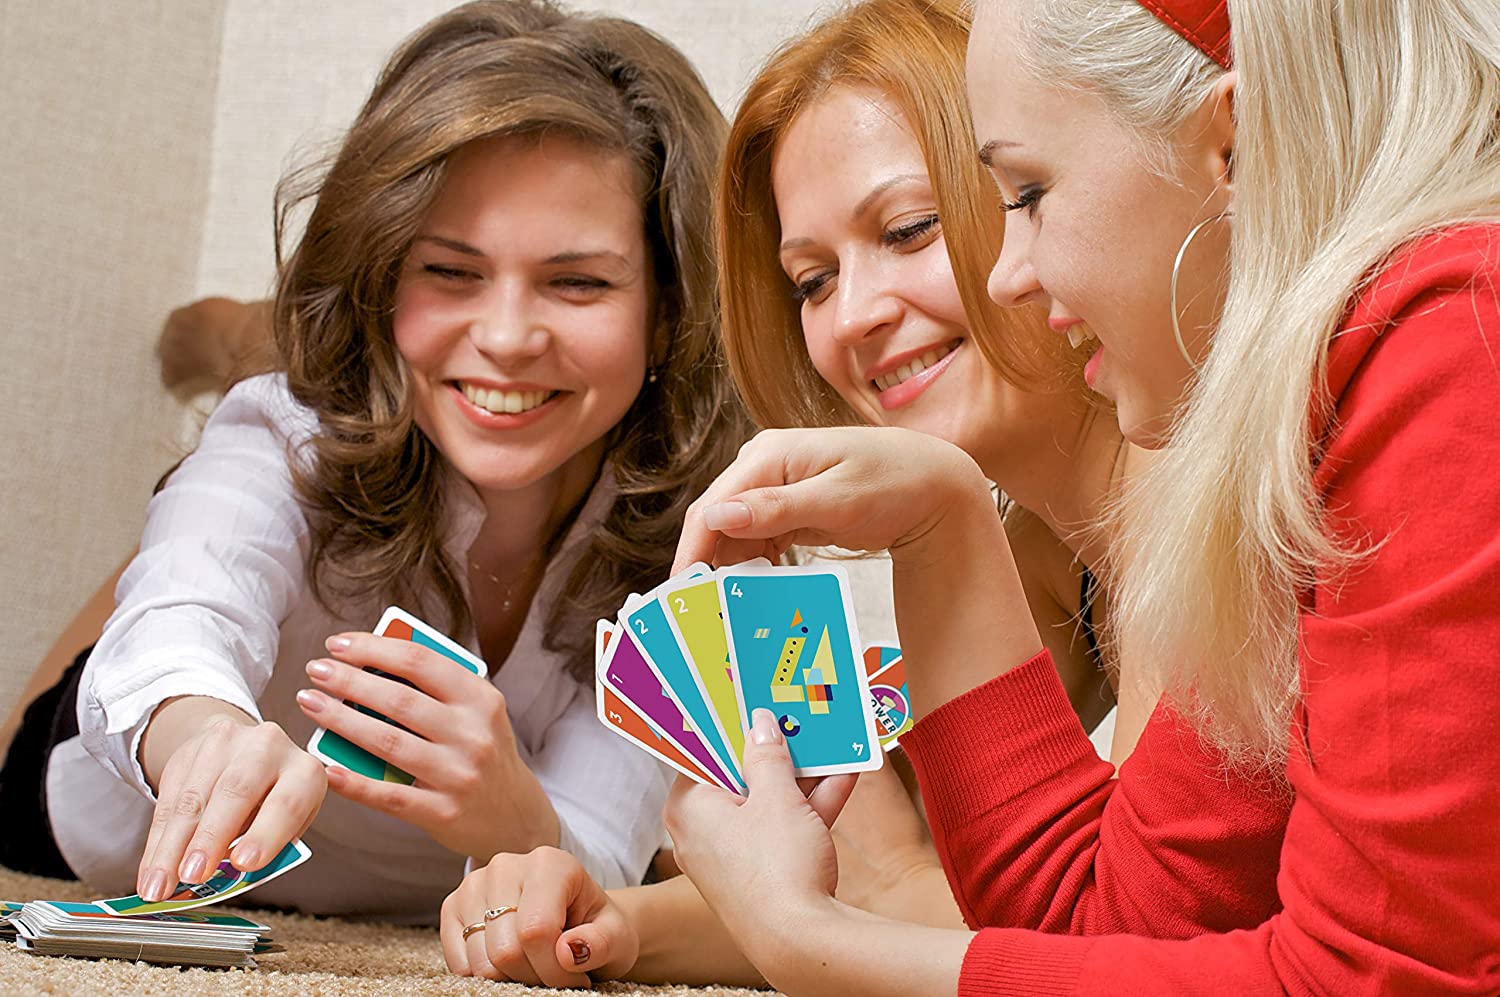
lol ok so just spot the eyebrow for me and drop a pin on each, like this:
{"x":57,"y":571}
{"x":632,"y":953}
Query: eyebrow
{"x":987,"y":151}
{"x":866,"y":202}
{"x":572,"y":256}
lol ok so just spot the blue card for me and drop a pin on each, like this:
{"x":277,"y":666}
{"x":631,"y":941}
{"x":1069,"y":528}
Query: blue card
{"x":794,"y":651}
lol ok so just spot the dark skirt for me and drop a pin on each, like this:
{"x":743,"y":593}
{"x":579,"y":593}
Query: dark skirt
{"x":26,"y":844}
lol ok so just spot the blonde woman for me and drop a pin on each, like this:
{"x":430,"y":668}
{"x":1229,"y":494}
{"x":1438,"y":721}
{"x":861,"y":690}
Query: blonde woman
{"x":1287,"y":271}
{"x":500,"y":387}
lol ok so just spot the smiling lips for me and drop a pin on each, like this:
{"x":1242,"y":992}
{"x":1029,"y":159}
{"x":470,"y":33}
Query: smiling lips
{"x":911,"y":369}
{"x":498,"y":402}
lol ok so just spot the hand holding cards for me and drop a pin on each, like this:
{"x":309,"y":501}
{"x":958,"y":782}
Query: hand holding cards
{"x":335,"y":749}
{"x":684,"y":666}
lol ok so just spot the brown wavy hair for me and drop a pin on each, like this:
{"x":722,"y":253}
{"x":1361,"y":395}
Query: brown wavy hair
{"x":912,"y":51}
{"x":373,"y":482}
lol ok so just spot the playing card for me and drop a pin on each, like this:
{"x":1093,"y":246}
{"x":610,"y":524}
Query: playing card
{"x":647,"y":627}
{"x":697,"y":621}
{"x":793,"y":648}
{"x":226,"y":882}
{"x":190,"y":938}
{"x":334,"y":749}
{"x":888,"y":695}
{"x":626,"y":673}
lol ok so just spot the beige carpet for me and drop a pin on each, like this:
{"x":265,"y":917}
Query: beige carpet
{"x":323,"y":956}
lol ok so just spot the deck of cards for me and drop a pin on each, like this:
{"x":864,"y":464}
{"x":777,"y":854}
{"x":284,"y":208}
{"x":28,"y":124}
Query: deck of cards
{"x":53,"y":927}
{"x":682,"y":668}
{"x":168,"y":931}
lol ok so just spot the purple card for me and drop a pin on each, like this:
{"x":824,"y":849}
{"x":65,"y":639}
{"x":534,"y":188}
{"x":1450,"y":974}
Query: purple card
{"x":628,"y":674}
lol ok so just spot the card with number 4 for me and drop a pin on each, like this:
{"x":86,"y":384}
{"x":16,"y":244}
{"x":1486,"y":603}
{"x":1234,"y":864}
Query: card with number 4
{"x":793,"y":650}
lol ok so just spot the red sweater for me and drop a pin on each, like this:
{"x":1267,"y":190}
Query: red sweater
{"x":1380,"y":871}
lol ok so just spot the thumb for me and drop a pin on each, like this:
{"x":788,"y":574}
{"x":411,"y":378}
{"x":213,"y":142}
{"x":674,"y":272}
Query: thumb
{"x":599,"y":947}
{"x":768,"y":762}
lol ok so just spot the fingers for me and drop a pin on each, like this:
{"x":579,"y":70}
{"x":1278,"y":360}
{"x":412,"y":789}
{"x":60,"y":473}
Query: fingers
{"x":186,"y":786}
{"x":403,"y":703}
{"x":829,"y":796}
{"x":380,"y":738}
{"x":412,"y":804}
{"x":434,"y":674}
{"x":451,"y":922}
{"x":554,"y":881}
{"x":285,"y":813}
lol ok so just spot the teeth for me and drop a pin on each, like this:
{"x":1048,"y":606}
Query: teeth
{"x":1080,"y":334}
{"x":887,"y":381}
{"x":509,"y":402}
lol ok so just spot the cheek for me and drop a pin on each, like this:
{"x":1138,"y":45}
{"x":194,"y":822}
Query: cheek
{"x":828,"y":358}
{"x":417,"y":329}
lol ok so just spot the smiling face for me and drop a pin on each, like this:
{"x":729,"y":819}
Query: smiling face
{"x":1093,"y":230}
{"x":863,"y":247}
{"x":523,"y":307}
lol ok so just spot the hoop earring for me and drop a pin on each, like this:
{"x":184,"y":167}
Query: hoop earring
{"x":1177,"y":266}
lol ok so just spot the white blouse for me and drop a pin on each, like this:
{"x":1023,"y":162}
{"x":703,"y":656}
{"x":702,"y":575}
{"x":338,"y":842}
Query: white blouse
{"x":217,"y":604}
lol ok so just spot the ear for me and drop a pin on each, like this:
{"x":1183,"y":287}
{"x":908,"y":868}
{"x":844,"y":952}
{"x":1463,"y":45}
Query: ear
{"x":1219,"y":134}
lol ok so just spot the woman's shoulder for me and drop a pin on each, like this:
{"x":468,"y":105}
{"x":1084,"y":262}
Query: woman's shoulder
{"x":1434,"y":301}
{"x":263,"y":401}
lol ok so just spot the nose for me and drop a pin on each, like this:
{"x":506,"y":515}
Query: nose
{"x":508,"y":327}
{"x":863,"y":304}
{"x":1013,"y":281}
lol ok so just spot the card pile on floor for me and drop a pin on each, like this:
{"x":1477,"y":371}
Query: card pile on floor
{"x":169,"y":931}
{"x":681,"y":670}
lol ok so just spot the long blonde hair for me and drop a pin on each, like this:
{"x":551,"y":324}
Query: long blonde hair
{"x":912,"y":51}
{"x":374,"y":486}
{"x":1360,"y":127}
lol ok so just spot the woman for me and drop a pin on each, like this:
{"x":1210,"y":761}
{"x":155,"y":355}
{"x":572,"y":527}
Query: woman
{"x":851,"y":221}
{"x":501,"y":388}
{"x":1318,"y":605}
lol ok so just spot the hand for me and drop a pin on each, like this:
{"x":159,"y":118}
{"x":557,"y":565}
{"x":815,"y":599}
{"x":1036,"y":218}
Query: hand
{"x":225,"y":776}
{"x":762,"y":859}
{"x":564,"y":925}
{"x":858,"y":488}
{"x":473,"y":794}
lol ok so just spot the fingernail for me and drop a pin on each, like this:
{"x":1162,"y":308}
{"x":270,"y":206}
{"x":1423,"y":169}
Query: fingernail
{"x":245,"y":856}
{"x":320,"y":670}
{"x":311,"y":700}
{"x":763,"y":729}
{"x":727,"y":516}
{"x":337,"y":643}
{"x":192,"y":869}
{"x":156,"y":887}
{"x":580,"y":950}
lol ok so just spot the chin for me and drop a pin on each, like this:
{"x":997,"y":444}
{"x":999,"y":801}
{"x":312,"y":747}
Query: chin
{"x":1148,"y":429}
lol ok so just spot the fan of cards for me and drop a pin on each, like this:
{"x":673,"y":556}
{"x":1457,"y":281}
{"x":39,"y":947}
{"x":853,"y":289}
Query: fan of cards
{"x":683,"y":667}
{"x":168,"y":931}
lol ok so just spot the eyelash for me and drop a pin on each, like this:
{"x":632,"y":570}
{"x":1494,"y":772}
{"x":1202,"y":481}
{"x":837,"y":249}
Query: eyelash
{"x":804,"y":290}
{"x":911,"y":230}
{"x":447,"y":273}
{"x":898,"y":236}
{"x":1027,"y":198}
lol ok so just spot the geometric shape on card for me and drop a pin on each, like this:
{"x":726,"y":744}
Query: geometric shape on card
{"x":796,"y":617}
{"x":823,"y":661}
{"x":812,"y":676}
{"x":786,"y":694}
{"x":786,"y":666}
{"x":789,"y":725}
{"x":762,"y":633}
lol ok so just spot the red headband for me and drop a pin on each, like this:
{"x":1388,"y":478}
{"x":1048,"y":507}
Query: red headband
{"x":1205,"y":23}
